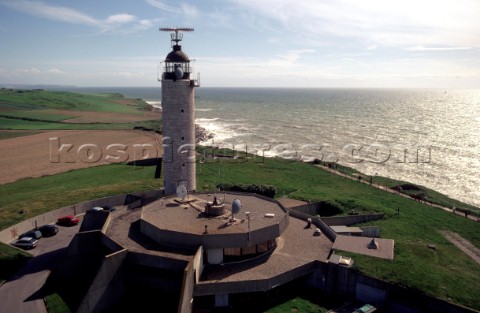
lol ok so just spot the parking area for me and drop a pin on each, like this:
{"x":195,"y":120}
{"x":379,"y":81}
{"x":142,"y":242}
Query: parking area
{"x":19,"y":294}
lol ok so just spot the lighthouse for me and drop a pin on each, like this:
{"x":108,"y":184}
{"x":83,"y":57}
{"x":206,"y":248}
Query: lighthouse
{"x":178,"y":116}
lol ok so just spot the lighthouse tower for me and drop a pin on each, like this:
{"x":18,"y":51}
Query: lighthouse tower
{"x":178,"y":116}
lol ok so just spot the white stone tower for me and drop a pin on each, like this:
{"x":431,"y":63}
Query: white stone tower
{"x":178,"y":115}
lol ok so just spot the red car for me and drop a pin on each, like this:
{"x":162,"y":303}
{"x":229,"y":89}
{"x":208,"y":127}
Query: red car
{"x":68,"y":220}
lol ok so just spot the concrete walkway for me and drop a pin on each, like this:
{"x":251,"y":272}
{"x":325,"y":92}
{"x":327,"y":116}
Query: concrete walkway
{"x":384,"y":188}
{"x":21,"y":293}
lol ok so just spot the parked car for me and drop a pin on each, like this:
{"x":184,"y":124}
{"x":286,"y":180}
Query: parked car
{"x":34,"y":233}
{"x":48,"y":230}
{"x":26,"y":243}
{"x":68,"y":220}
{"x":96,"y":209}
{"x":109,"y":208}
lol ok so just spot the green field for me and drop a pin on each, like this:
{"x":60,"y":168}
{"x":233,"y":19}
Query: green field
{"x":28,"y":110}
{"x":15,"y":99}
{"x":21,"y":124}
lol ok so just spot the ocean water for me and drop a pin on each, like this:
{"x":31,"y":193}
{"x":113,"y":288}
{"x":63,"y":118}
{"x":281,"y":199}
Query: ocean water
{"x":428,"y":137}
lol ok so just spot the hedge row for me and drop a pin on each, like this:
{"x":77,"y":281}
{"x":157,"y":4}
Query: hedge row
{"x":264,"y":190}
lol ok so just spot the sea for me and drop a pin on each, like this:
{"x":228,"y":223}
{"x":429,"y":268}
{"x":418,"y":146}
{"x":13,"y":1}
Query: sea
{"x":427,"y":137}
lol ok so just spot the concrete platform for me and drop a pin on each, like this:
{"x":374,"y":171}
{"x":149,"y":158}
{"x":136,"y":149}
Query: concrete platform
{"x":124,"y":229}
{"x":172,"y":221}
{"x":295,"y":255}
{"x":360,"y":245}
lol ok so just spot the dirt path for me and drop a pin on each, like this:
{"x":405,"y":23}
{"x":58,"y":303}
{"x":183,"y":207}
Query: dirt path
{"x":463,"y":244}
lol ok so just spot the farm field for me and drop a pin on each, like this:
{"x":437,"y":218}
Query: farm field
{"x":42,"y":154}
{"x":48,"y":110}
{"x":46,"y":132}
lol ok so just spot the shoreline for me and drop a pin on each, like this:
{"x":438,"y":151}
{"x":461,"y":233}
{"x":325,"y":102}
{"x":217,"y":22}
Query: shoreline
{"x":224,"y":134}
{"x":459,"y":211}
{"x":214,"y":131}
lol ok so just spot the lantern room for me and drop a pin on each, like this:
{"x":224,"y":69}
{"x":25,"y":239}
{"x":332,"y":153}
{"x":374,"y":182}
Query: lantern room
{"x":176,"y":64}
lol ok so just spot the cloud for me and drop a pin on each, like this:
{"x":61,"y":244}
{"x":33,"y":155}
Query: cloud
{"x":71,"y":16}
{"x":183,"y":8}
{"x":120,"y":19}
{"x":376,"y":22}
{"x":422,"y":48}
{"x":55,"y":71}
{"x":51,"y":12}
{"x":30,"y":71}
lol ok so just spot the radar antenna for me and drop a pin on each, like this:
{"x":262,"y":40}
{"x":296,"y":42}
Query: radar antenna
{"x":176,"y":33}
{"x":182,"y":192}
{"x":236,"y":207}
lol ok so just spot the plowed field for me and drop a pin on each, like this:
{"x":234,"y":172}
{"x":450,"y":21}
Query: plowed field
{"x":55,"y":152}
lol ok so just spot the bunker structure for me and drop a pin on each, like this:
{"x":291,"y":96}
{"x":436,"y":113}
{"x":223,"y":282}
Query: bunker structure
{"x":180,"y":253}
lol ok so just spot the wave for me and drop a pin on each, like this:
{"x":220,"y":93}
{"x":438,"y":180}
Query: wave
{"x":153,"y":102}
{"x":206,"y":120}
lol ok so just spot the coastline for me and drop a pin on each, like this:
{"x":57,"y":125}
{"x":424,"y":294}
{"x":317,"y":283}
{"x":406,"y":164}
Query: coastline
{"x":334,"y":118}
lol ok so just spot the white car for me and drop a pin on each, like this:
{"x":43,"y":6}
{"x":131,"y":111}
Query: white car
{"x":26,"y":243}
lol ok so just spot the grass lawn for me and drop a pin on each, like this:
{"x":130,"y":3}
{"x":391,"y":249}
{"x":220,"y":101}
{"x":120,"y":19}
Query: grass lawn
{"x":38,"y":195}
{"x":297,"y":305}
{"x":445,"y":272}
{"x":432,"y":195}
{"x":55,"y":304}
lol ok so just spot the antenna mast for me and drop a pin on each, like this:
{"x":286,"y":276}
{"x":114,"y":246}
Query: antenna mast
{"x":176,"y":33}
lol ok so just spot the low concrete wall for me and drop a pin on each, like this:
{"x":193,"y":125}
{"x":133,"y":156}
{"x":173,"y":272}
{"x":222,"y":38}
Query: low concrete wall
{"x":371,"y":231}
{"x":309,"y":208}
{"x":191,"y":275}
{"x":213,"y":241}
{"x":83,"y":260}
{"x":156,"y":261}
{"x":107,"y":287}
{"x":110,"y":244}
{"x":11,"y":233}
{"x":198,"y":264}
{"x":351,"y":219}
{"x":317,"y":222}
{"x":204,"y":289}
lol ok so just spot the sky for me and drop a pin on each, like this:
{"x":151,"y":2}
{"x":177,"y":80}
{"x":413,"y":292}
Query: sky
{"x":244,"y":43}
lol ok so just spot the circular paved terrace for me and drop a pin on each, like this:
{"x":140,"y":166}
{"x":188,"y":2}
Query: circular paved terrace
{"x":172,"y":221}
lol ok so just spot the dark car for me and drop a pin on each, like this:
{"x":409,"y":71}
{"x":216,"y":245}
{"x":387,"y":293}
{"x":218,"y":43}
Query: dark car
{"x":34,"y":233}
{"x":26,"y":243}
{"x":109,"y":208}
{"x":68,"y":220}
{"x":48,"y":230}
